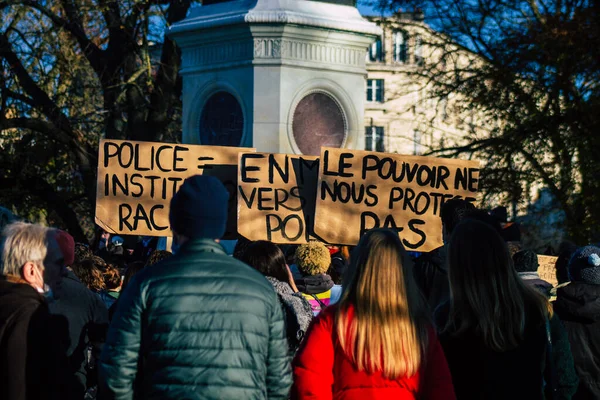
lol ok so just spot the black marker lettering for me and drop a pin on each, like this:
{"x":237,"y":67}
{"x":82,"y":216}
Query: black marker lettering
{"x":176,"y":158}
{"x":124,"y":218}
{"x":245,"y":169}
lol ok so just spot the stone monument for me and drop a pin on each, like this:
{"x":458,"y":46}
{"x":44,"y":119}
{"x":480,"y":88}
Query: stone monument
{"x":284,"y":76}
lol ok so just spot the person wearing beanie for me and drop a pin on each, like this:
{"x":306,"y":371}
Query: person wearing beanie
{"x":526,"y":264}
{"x":86,"y":317}
{"x":578,"y":305}
{"x":199,"y":324}
{"x":312,"y":261}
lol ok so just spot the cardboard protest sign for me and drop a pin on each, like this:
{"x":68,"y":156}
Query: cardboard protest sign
{"x":136,"y":181}
{"x":276,"y":197}
{"x":361,"y":190}
{"x":547,"y":269}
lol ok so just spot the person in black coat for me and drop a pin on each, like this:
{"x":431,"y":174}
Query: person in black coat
{"x":32,"y":360}
{"x":87,"y":318}
{"x":430,"y":268}
{"x":578,"y":305}
{"x":494,"y":328}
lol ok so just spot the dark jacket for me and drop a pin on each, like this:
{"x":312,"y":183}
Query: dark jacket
{"x":564,"y":365}
{"x":32,"y":360}
{"x":481,"y":373}
{"x":199,"y":325}
{"x":87,"y":319}
{"x":578,"y":305}
{"x":533,"y":280}
{"x":431,"y":274}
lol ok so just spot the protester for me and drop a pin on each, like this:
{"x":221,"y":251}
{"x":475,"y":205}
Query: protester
{"x":112,"y":286}
{"x":494,"y":329}
{"x":431,"y":272}
{"x":340,"y":257}
{"x":114,"y":253}
{"x":578,"y":305}
{"x":89,"y":272}
{"x":240,"y":247}
{"x":157,"y":256}
{"x":377,"y":342}
{"x":82,"y":252}
{"x":526,"y":264}
{"x":130,"y":272}
{"x":132,"y":269}
{"x":268,"y":259}
{"x":87,"y":319}
{"x":144,"y":247}
{"x":565,"y":252}
{"x":200,"y":324}
{"x":312,"y":262}
{"x":101,"y":240}
{"x":32,"y":361}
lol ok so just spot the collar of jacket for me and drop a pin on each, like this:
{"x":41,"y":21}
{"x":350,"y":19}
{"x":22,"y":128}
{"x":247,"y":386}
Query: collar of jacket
{"x":201,"y":245}
{"x":15,"y":279}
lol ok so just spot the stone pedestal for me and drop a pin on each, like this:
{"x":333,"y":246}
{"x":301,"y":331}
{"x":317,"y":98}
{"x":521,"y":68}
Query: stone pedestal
{"x":283,"y":76}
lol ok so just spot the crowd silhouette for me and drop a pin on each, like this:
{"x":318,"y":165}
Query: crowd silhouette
{"x":469,"y":320}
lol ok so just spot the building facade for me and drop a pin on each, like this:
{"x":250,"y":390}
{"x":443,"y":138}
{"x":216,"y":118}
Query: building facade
{"x":401,"y":115}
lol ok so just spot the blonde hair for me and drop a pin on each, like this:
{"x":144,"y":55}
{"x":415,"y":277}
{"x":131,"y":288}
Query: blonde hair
{"x":22,"y":242}
{"x":389,"y":330}
{"x":313,"y":258}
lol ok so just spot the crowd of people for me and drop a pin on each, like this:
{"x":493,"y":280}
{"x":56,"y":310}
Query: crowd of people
{"x":469,"y":320}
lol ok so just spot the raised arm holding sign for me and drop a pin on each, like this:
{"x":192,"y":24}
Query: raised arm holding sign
{"x":361,"y":190}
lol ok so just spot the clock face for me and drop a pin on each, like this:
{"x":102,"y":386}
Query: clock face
{"x":318,"y":121}
{"x":222,"y":121}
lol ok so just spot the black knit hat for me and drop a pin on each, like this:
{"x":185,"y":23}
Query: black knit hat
{"x":199,"y":208}
{"x":526,"y":261}
{"x":584,"y":265}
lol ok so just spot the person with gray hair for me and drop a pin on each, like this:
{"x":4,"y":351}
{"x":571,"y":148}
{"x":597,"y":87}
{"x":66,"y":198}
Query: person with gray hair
{"x":31,"y":359}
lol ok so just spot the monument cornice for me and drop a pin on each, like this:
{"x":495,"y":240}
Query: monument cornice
{"x":274,"y":50}
{"x":295,"y":12}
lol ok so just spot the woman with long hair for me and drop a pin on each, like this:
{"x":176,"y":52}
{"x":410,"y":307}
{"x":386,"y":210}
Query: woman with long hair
{"x":494,"y":328}
{"x":377,"y":342}
{"x":269,"y":260}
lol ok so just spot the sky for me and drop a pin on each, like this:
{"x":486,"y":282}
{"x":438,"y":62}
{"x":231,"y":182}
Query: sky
{"x":365,"y":9}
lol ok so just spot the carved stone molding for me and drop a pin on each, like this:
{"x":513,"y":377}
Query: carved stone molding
{"x":269,"y":48}
{"x":307,"y":51}
{"x":216,"y":54}
{"x":265,"y":49}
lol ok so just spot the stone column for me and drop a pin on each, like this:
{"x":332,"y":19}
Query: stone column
{"x":283,"y":76}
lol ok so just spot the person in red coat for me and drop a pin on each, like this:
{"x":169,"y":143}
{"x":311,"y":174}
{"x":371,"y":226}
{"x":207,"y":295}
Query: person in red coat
{"x":378,"y":341}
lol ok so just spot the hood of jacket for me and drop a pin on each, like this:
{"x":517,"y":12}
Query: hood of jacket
{"x":314,"y":284}
{"x":294,"y":302}
{"x":579,"y":301}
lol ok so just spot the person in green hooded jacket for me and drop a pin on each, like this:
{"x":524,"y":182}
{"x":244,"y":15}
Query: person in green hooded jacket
{"x":200,"y":324}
